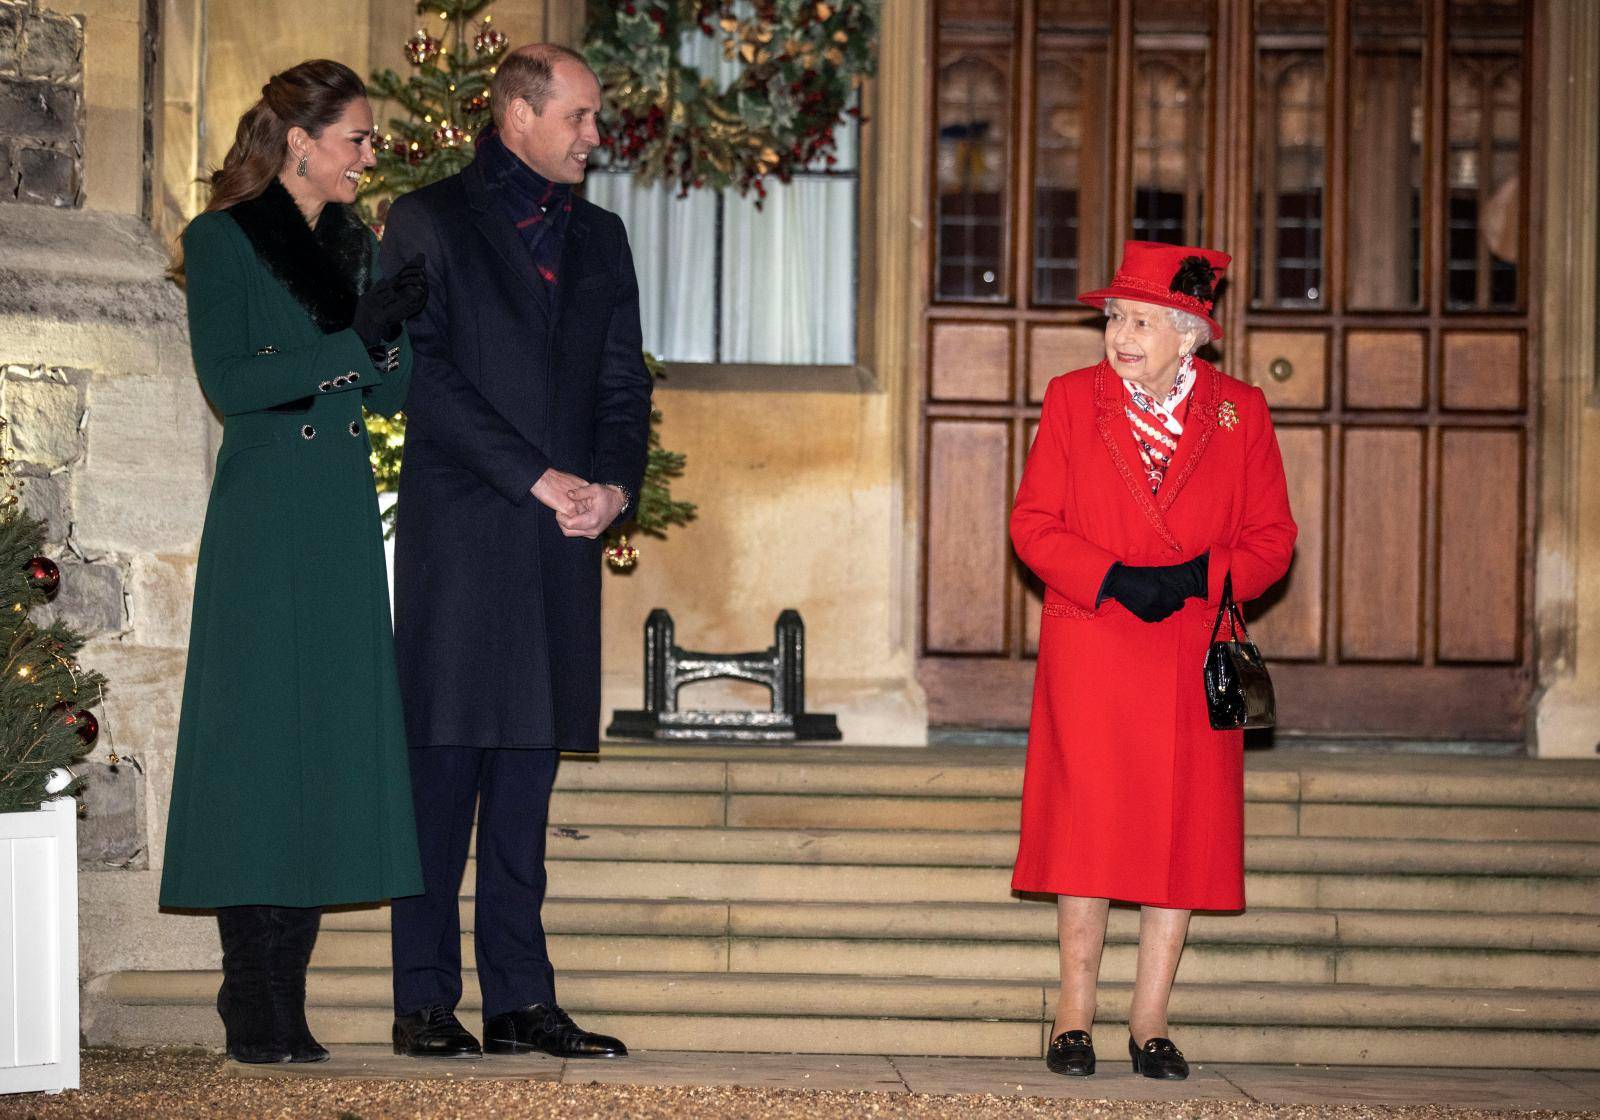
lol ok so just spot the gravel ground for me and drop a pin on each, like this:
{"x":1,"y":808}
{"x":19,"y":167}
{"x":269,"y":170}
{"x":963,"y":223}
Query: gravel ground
{"x":184,"y":1085}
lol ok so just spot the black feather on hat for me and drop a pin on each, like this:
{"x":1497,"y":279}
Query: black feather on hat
{"x":1197,"y":279}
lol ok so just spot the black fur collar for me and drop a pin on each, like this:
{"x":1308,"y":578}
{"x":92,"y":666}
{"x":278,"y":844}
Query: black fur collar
{"x":323,"y":269}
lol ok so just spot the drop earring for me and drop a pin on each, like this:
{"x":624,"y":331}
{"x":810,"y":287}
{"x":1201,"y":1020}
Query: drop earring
{"x":300,"y":168}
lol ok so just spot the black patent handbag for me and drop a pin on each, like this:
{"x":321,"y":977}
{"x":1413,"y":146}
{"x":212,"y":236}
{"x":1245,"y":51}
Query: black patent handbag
{"x":1238,"y":690}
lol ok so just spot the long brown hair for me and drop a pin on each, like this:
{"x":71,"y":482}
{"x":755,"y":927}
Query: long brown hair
{"x":312,"y":95}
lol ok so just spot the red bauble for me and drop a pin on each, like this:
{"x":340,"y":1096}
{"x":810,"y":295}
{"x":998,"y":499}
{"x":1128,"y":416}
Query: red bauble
{"x":82,"y":721}
{"x":44,"y":576}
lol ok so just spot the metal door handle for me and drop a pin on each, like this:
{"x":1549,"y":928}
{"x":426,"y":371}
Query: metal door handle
{"x":1281,"y":369}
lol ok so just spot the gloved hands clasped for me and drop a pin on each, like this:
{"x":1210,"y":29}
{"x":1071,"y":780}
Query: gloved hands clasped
{"x":382,"y":308}
{"x":1153,"y":593}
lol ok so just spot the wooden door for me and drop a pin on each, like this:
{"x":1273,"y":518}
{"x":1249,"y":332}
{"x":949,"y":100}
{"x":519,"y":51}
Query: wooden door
{"x":1367,"y":163}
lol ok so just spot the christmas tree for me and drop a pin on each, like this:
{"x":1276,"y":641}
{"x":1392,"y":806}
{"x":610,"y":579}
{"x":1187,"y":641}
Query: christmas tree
{"x":44,"y":724}
{"x":445,"y":99}
{"x":445,"y":104}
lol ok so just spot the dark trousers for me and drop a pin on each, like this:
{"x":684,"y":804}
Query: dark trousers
{"x":510,"y":789}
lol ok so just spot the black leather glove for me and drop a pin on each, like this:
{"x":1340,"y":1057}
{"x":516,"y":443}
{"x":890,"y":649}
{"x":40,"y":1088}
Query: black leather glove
{"x":390,"y":302}
{"x":1154,"y":593}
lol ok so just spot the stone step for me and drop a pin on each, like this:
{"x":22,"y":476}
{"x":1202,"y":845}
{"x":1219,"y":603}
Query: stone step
{"x":860,"y":847}
{"x":1354,"y":1024}
{"x":1028,"y":920}
{"x":1262,"y":818}
{"x":1279,"y":775}
{"x":1307,"y":795}
{"x":1204,"y":962}
{"x":798,"y":882}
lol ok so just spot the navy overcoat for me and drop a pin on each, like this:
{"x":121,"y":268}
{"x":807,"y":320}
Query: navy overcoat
{"x":497,"y":615}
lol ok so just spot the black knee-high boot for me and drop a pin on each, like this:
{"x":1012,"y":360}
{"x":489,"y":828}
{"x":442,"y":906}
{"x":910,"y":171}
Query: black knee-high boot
{"x":295,"y":935}
{"x":245,"y":999}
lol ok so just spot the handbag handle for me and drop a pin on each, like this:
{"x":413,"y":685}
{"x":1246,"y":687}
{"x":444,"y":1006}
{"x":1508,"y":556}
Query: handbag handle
{"x":1229,"y":607}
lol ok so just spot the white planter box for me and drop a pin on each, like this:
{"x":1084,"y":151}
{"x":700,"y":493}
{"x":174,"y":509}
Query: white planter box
{"x":39,"y":949}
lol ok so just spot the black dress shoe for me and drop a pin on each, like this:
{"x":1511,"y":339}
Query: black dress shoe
{"x":546,"y":1028}
{"x":1158,"y":1058}
{"x":1071,"y":1053}
{"x":434,"y":1032}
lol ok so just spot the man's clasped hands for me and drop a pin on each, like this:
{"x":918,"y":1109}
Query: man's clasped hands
{"x":583,"y":509}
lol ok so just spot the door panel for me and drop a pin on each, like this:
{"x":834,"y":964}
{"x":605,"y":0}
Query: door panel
{"x":973,"y":211}
{"x":1387,"y":125}
{"x":1071,"y":149}
{"x":1385,"y":369}
{"x":1291,"y":367}
{"x":1480,"y":565}
{"x":1054,"y":350}
{"x":1483,"y":371}
{"x":1380,"y":589}
{"x":970,"y":362}
{"x":968,"y":553}
{"x":1370,"y":177}
{"x":1289,"y":238}
{"x":1291,"y":626}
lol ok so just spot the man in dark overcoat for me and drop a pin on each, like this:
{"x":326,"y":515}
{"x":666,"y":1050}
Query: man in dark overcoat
{"x":526,"y":437}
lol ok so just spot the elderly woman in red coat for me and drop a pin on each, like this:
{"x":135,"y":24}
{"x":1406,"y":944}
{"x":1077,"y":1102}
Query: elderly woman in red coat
{"x":1153,"y":477}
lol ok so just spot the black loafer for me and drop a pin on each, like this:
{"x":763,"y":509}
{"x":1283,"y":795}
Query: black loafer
{"x":1071,"y":1053}
{"x":434,"y":1032}
{"x":549,"y":1030}
{"x":1158,"y":1058}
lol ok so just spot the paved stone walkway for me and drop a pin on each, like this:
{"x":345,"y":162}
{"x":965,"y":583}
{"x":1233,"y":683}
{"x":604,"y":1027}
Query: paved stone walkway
{"x":1555,"y":1090}
{"x":366,"y":1083}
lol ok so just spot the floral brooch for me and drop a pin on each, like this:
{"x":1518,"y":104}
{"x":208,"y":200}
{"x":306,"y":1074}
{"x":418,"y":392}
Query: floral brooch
{"x":1227,"y":416}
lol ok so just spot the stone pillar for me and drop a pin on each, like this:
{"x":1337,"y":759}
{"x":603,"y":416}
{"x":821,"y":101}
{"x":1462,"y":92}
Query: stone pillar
{"x":1567,"y":576}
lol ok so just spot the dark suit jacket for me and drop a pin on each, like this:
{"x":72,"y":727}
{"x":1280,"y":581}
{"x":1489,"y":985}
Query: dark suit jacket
{"x":497,"y":615}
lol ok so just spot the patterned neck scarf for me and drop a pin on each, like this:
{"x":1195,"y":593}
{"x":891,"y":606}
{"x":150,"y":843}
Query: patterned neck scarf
{"x":538,"y":208}
{"x":1156,"y":424}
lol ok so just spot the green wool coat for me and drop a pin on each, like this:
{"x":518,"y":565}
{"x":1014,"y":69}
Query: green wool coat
{"x":291,"y":786}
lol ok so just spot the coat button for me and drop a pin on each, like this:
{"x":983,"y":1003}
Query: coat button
{"x":325,"y":386}
{"x":355,"y":427}
{"x":352,"y":377}
{"x":308,"y":432}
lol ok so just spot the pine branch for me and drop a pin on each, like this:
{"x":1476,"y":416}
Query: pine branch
{"x":41,"y":683}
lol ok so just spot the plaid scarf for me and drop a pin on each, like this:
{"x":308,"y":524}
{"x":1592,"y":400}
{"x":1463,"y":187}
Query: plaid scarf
{"x":541,"y":210}
{"x":1158,"y":425}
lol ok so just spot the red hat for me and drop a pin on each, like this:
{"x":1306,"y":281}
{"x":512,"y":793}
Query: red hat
{"x":1179,"y":276}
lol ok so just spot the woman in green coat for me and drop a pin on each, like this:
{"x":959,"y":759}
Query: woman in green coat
{"x":291,"y":789}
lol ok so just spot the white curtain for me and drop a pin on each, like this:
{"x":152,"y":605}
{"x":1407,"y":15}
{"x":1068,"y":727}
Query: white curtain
{"x":788,"y":274}
{"x":674,"y":242}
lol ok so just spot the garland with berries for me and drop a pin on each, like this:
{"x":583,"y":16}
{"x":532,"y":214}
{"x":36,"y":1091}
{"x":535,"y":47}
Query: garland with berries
{"x":804,"y":62}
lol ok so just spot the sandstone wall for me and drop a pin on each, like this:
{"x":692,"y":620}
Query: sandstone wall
{"x":799,"y":506}
{"x":115,"y":443}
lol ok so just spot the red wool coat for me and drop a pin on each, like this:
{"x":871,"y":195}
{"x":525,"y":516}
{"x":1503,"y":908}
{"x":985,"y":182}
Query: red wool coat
{"x":1128,"y":793}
